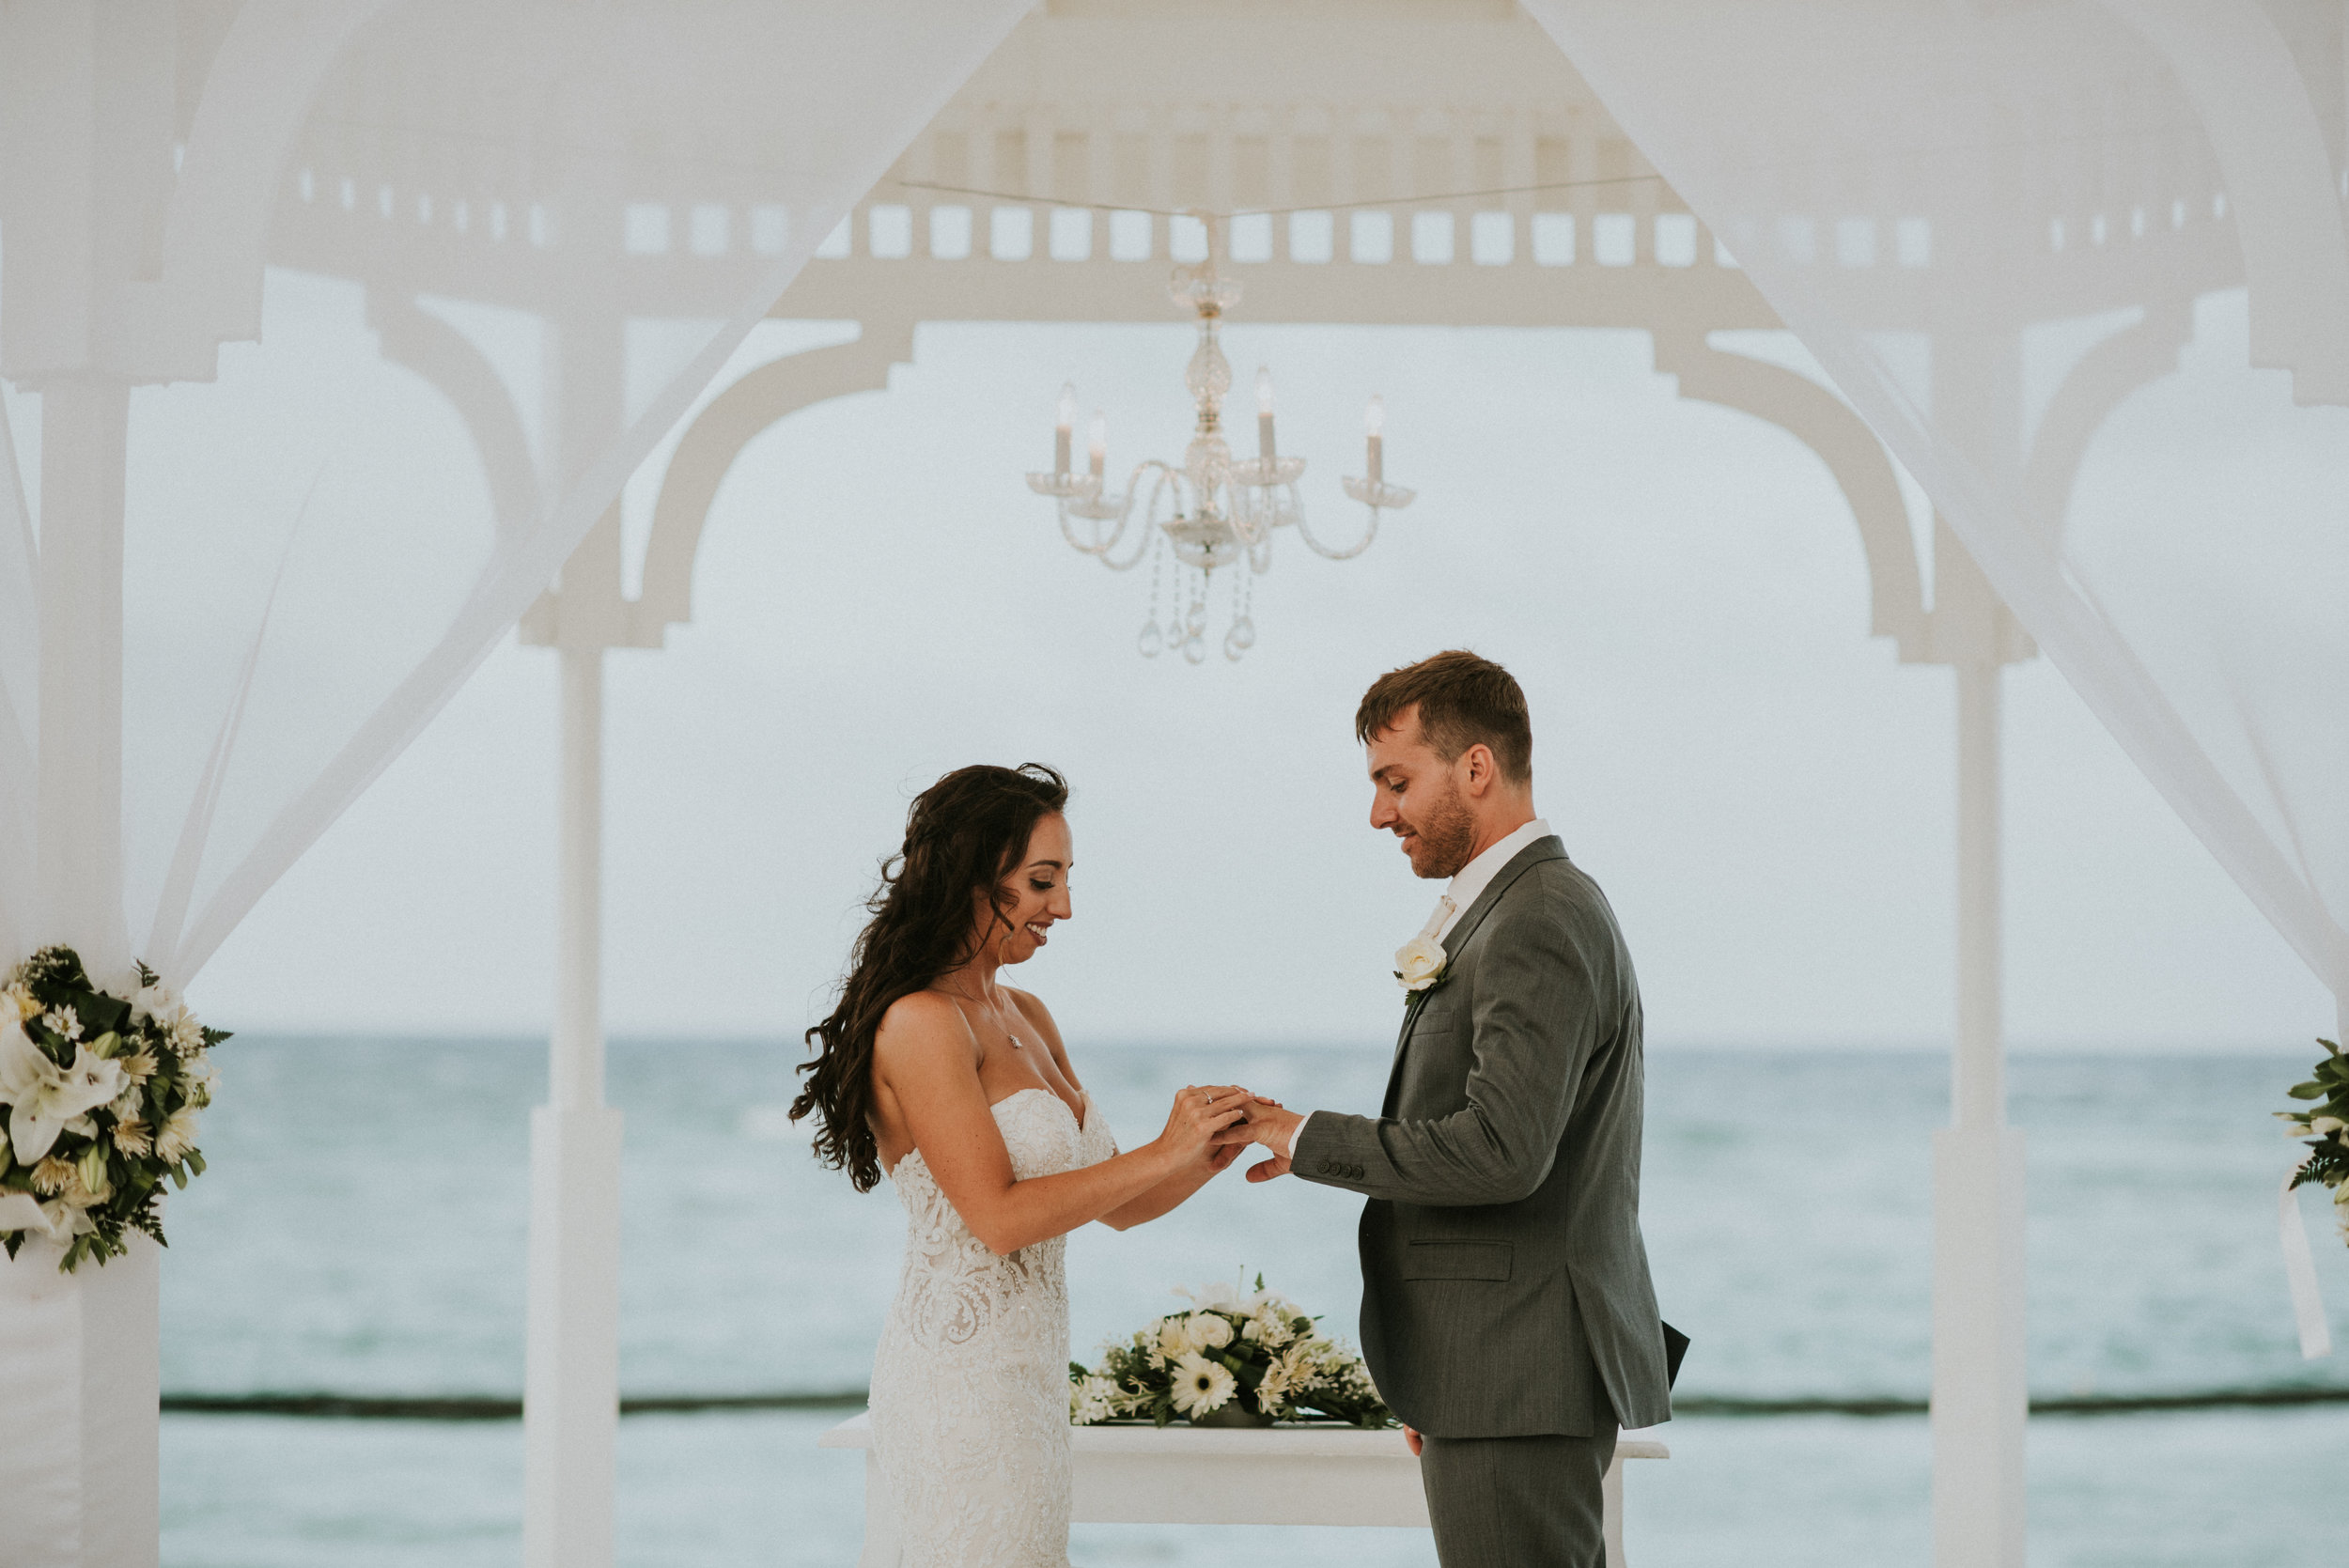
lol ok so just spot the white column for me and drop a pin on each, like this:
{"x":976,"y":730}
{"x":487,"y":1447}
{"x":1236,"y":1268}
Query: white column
{"x":79,"y":1371}
{"x":1980,"y":1395}
{"x":79,"y":1374}
{"x":570,"y":1408}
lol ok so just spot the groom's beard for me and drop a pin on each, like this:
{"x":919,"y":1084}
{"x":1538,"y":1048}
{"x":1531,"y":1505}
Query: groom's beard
{"x":1443,"y":838}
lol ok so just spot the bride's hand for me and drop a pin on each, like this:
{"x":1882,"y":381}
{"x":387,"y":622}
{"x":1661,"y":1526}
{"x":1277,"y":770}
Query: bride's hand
{"x":1198,"y":1114}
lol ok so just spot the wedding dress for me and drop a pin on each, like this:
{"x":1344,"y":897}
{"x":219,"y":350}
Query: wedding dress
{"x":970,"y":1404}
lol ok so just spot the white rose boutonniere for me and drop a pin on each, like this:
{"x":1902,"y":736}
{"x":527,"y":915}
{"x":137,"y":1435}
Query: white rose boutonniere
{"x":1419,"y":962}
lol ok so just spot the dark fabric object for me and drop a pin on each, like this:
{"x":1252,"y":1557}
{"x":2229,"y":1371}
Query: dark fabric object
{"x":1675,"y":1350}
{"x":1501,"y":1501}
{"x":1505,"y":1288}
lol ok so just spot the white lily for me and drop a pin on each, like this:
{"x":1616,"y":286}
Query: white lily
{"x":56,"y":1219}
{"x":43,"y":1098}
{"x":1221,"y":1298}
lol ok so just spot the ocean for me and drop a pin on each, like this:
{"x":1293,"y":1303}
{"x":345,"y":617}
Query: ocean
{"x":361,"y":1231}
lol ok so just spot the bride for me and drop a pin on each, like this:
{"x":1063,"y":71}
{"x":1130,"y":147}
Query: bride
{"x":959,"y":1087}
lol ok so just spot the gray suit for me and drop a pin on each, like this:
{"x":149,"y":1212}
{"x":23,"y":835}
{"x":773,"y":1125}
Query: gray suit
{"x":1505,"y":1292}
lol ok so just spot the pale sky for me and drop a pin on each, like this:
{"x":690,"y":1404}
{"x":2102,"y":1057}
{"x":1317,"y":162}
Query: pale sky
{"x":1765,"y":795}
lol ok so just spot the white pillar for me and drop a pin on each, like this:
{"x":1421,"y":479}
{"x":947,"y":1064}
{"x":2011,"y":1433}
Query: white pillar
{"x":1980,"y":1394}
{"x":570,"y":1408}
{"x":79,"y":1370}
{"x":79,"y":1375}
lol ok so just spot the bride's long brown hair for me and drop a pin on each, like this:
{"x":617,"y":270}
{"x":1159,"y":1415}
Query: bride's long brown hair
{"x":964,"y":833}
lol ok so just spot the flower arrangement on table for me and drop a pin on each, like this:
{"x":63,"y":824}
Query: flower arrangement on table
{"x":2327,"y":1162}
{"x":1231,"y":1360}
{"x":102,"y":1093}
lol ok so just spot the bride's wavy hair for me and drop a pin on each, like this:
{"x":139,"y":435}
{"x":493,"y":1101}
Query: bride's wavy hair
{"x":964,"y":834}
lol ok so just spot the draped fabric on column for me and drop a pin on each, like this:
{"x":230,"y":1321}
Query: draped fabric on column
{"x":397,"y":294}
{"x":2081,"y":266}
{"x":329,"y":328}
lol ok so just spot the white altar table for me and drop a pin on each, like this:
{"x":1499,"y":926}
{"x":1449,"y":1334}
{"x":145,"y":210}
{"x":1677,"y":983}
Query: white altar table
{"x":1287,"y":1475}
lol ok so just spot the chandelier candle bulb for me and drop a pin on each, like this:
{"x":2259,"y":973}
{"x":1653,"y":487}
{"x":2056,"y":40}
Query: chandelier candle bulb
{"x":1374,"y":424}
{"x":1062,"y":427}
{"x":1265,"y":445}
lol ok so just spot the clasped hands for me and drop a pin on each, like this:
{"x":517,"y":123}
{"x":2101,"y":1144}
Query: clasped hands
{"x":1217,"y":1121}
{"x":1267,"y":1121}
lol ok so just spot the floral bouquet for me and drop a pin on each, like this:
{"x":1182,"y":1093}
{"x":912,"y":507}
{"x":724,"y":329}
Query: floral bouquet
{"x":1231,"y":1360}
{"x":2328,"y":1121}
{"x":100,"y":1093}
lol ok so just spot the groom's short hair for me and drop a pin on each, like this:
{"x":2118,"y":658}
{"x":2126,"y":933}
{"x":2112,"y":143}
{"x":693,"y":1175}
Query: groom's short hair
{"x":1463,"y":701}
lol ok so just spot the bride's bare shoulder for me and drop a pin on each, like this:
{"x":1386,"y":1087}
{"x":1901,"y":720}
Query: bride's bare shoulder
{"x":922,"y":1025}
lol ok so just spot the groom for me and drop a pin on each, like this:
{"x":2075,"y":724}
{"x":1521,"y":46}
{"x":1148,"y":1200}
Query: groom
{"x":1507,"y":1316}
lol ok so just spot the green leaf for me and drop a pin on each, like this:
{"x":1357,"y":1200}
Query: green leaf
{"x":100,"y":1014}
{"x":2306,"y":1091}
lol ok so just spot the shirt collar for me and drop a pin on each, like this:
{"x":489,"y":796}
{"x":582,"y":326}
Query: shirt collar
{"x":1471,"y":881}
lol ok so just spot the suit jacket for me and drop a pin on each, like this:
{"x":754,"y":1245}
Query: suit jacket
{"x":1505,"y":1287}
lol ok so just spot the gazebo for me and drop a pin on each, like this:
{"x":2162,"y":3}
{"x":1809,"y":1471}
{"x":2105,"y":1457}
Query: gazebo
{"x":1992,"y":231}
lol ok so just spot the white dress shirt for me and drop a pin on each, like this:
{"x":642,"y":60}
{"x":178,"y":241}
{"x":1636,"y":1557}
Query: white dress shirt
{"x":1466,"y":886}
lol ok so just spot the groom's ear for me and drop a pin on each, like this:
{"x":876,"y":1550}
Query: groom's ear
{"x":1482,"y":769}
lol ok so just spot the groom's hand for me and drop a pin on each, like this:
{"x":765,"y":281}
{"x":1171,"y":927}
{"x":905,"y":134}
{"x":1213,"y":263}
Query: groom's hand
{"x":1264,"y":1169}
{"x":1268,"y":1123}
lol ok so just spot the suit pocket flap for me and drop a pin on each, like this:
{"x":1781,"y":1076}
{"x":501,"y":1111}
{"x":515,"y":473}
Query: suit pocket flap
{"x":1457,"y":1260}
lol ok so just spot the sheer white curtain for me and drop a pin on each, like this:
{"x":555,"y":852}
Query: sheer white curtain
{"x":399,"y":294}
{"x":2081,"y":266}
{"x":329,"y":328}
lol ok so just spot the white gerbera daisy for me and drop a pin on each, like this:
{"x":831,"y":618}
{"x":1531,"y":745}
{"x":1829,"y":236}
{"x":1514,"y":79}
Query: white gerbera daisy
{"x":64,"y":1023}
{"x":1201,"y":1385}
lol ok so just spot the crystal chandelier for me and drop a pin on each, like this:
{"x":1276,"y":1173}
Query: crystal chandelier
{"x":1211,"y":511}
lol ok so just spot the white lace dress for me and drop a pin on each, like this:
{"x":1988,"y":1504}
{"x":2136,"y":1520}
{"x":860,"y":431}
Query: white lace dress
{"x":970,"y":1405}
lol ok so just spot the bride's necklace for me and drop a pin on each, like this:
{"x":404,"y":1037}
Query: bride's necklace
{"x":993,"y":1011}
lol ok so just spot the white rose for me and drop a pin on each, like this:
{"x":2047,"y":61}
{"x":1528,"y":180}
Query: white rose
{"x":1419,"y":962}
{"x":1210,"y":1331}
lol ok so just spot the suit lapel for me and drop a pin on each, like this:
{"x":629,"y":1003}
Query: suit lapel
{"x":1546,"y":848}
